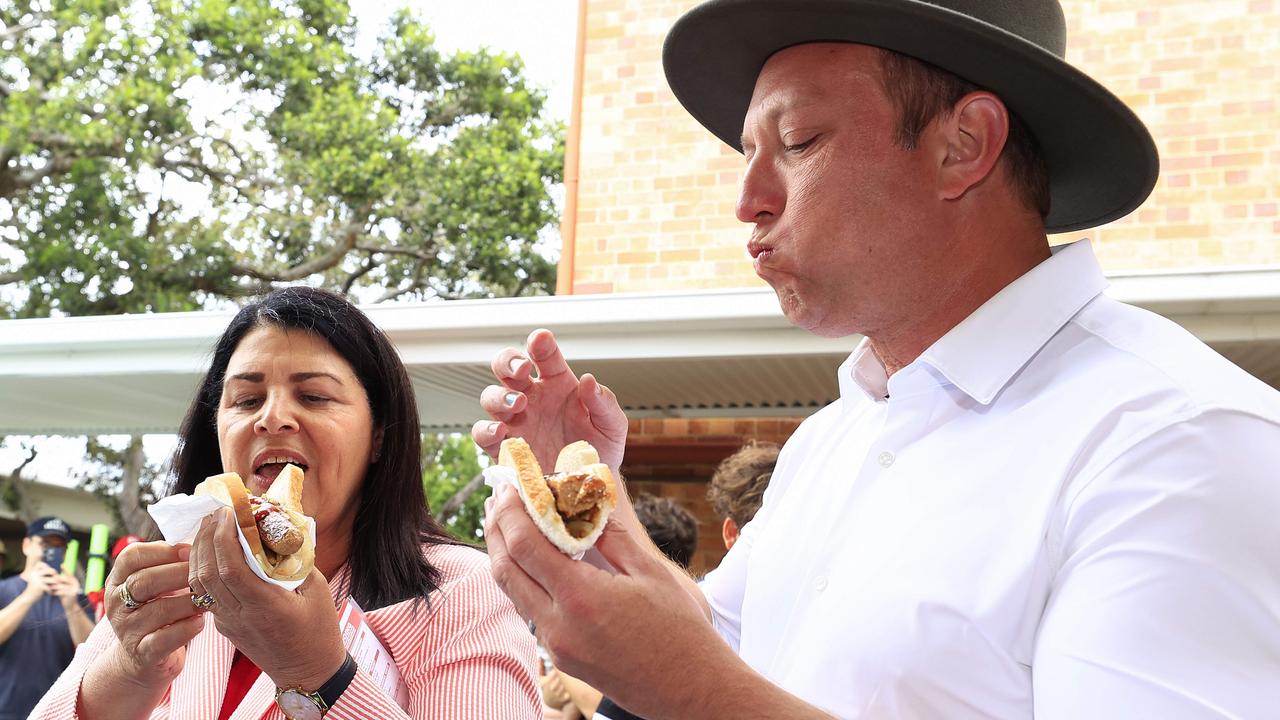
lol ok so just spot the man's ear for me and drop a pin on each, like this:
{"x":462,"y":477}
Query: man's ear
{"x":975,"y":135}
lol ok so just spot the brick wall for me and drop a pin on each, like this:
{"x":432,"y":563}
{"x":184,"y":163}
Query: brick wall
{"x":657,"y":191}
{"x":675,"y":457}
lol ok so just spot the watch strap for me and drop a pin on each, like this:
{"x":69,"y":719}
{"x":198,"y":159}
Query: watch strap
{"x":336,"y":685}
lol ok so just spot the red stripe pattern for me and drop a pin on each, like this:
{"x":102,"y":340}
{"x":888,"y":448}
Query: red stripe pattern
{"x":468,"y":657}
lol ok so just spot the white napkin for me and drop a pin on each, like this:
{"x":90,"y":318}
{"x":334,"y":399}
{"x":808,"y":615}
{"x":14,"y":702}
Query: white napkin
{"x":495,"y":476}
{"x":178,"y":517}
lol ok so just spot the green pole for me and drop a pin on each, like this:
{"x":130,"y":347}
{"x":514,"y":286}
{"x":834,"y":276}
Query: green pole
{"x":96,"y":569}
{"x":69,"y":562}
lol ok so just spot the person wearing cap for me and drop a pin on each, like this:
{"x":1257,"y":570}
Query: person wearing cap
{"x":1029,"y":500}
{"x":43,"y":617}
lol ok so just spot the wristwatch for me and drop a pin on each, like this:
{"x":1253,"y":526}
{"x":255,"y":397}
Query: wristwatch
{"x":298,"y":704}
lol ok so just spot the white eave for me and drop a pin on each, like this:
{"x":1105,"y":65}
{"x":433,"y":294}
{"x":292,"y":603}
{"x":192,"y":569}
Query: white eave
{"x":714,"y":353}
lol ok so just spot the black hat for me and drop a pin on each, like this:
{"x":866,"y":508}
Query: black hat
{"x":50,"y":525}
{"x":1102,"y":161}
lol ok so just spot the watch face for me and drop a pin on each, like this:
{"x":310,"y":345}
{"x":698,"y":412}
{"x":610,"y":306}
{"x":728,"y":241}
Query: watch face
{"x":297,"y":706}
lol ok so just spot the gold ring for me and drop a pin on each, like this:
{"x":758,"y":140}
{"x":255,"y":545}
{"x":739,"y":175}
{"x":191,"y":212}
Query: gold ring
{"x":125,"y":597}
{"x":202,"y":601}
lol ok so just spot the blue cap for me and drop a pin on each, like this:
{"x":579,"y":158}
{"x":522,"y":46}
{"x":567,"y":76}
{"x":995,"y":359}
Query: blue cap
{"x":50,"y":525}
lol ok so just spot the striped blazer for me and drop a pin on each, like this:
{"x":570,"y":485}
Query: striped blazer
{"x":469,"y":657}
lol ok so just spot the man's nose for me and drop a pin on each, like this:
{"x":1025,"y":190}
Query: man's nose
{"x":277,"y":416}
{"x":762,"y":196}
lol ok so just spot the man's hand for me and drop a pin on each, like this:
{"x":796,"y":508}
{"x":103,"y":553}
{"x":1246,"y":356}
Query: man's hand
{"x":551,"y":410}
{"x":41,"y":581}
{"x":67,"y":589}
{"x":638,"y":636}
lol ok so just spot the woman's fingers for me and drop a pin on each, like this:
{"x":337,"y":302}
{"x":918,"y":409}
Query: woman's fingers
{"x":159,"y":644}
{"x":143,"y":555}
{"x":206,"y":567}
{"x":152,"y":582}
{"x":133,"y":630}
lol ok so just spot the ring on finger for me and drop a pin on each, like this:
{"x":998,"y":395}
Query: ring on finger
{"x":125,"y":597}
{"x":204,"y":601}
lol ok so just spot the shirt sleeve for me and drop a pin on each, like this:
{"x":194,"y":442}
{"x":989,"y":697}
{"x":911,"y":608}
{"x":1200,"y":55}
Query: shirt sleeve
{"x":1167,"y":599}
{"x":478,"y":665}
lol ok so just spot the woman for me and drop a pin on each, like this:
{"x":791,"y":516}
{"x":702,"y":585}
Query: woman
{"x":304,"y":377}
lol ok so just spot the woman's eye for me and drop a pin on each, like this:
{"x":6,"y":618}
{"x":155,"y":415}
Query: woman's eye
{"x":246,"y":402}
{"x":315,"y":398}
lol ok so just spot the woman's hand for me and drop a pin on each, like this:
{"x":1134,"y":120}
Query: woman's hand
{"x":292,"y":636}
{"x":153,"y":634}
{"x":551,"y":410}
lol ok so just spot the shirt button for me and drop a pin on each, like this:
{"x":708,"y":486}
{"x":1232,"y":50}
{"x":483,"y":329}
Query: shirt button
{"x":820,"y":583}
{"x":886,"y":459}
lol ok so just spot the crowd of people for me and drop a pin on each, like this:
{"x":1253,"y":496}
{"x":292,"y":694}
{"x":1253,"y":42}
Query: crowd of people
{"x":1029,"y":500}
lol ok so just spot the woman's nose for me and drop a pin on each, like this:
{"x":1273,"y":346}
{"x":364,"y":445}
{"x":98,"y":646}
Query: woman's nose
{"x":277,"y":416}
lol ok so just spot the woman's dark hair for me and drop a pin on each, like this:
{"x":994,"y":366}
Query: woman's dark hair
{"x":392,"y":520}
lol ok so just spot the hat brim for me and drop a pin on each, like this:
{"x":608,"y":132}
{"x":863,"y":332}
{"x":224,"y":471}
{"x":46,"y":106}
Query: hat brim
{"x":1101,"y":158}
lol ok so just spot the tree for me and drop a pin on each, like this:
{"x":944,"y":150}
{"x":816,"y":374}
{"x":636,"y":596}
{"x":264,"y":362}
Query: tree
{"x":168,"y":155}
{"x":164,"y":155}
{"x":453,"y":483}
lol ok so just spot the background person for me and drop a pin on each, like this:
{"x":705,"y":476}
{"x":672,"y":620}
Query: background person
{"x":43,"y":616}
{"x":737,"y":488}
{"x":303,"y":376}
{"x":1028,"y":497}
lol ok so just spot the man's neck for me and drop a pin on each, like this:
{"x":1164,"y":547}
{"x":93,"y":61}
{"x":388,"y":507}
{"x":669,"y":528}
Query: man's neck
{"x":900,"y":344}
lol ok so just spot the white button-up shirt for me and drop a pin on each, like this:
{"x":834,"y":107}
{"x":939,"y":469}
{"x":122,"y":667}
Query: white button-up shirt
{"x":1067,"y":508}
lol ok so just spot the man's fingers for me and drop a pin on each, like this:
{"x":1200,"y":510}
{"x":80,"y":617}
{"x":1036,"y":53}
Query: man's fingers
{"x":502,"y":403}
{"x":624,"y":551}
{"x":529,"y":598}
{"x":488,"y":435}
{"x":512,"y":369}
{"x":606,"y":413}
{"x":545,"y":354}
{"x":541,"y":561}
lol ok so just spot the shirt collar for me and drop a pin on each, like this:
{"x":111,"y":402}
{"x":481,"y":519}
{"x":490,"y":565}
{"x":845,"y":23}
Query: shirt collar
{"x":982,"y":353}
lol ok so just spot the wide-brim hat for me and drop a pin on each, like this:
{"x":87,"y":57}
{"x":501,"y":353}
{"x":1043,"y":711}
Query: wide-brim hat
{"x":1102,"y":161}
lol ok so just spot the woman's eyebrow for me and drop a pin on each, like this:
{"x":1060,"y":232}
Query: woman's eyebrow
{"x":304,"y":376}
{"x":257,"y":377}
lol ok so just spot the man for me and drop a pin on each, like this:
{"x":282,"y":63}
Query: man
{"x":1030,"y":500}
{"x":738,"y":485}
{"x":43,"y":617}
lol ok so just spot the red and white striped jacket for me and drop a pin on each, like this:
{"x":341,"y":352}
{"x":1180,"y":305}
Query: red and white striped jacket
{"x":469,"y":657}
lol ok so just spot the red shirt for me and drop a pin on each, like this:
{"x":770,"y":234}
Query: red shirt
{"x":243,"y":675}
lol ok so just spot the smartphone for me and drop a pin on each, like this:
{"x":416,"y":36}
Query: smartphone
{"x":53,"y":557}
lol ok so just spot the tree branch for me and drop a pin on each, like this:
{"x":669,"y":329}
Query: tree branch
{"x":458,"y":498}
{"x":364,"y":269}
{"x":14,"y":31}
{"x":346,"y":243}
{"x":413,"y":285}
{"x":12,"y":276}
{"x":135,"y":518}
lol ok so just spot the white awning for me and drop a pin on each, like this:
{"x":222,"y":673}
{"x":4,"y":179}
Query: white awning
{"x":715,"y":353}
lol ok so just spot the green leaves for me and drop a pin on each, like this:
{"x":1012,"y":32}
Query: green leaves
{"x":168,"y":154}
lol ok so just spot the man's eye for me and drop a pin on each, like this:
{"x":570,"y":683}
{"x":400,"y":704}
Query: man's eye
{"x":800,"y":147}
